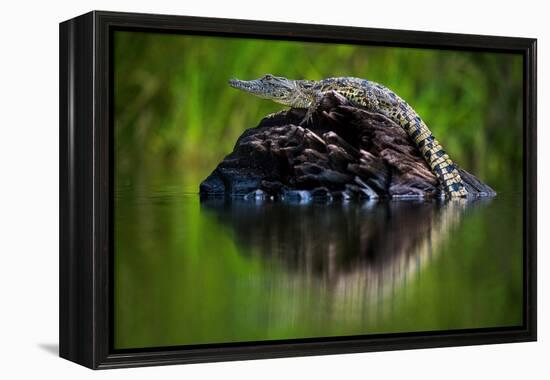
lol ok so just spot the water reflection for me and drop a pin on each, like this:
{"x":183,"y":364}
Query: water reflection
{"x":357,"y":252}
{"x":212,"y":271}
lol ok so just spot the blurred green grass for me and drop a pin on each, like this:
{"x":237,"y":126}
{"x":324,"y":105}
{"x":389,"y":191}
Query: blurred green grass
{"x":175,"y":113}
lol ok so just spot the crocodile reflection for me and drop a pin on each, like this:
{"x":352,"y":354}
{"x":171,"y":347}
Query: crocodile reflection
{"x":376,"y":246}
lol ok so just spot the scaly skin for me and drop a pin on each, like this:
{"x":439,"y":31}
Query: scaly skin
{"x":372,"y":96}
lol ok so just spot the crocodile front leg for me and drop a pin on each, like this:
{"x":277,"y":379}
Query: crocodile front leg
{"x":312,"y":108}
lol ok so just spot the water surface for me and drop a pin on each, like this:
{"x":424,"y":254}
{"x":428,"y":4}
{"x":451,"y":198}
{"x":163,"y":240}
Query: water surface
{"x":191,"y":272}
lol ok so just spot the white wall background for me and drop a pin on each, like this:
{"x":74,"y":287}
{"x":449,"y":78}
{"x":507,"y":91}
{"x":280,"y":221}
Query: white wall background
{"x":29,"y":187}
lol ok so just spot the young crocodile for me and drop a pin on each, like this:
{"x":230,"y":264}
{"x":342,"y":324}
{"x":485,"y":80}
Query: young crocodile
{"x":371,"y":96}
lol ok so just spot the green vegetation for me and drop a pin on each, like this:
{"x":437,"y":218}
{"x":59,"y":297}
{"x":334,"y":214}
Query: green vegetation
{"x":175,"y":112}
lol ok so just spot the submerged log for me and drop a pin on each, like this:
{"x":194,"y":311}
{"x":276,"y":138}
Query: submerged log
{"x":345,"y":152}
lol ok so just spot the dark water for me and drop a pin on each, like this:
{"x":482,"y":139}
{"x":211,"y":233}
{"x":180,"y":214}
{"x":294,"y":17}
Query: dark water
{"x":192,"y":272}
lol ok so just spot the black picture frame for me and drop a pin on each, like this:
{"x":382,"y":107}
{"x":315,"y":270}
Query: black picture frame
{"x":86,"y":188}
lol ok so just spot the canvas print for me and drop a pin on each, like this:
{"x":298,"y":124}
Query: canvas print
{"x":280,"y":190}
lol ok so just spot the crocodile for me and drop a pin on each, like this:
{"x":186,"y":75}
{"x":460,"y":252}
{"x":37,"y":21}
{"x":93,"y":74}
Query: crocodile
{"x":372,"y":96}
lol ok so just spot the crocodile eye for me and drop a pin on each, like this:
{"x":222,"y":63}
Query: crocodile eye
{"x":268,"y":77}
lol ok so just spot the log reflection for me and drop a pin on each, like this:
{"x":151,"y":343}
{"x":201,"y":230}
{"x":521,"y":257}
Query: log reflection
{"x":359,"y":253}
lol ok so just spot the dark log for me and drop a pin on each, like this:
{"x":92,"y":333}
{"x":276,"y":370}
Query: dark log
{"x":343,"y":152}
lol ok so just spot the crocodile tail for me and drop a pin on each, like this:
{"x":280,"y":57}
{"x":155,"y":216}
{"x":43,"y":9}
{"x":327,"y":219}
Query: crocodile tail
{"x":442,"y":166}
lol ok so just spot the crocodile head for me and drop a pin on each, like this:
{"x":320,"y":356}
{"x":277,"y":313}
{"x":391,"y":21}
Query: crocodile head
{"x":278,"y":89}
